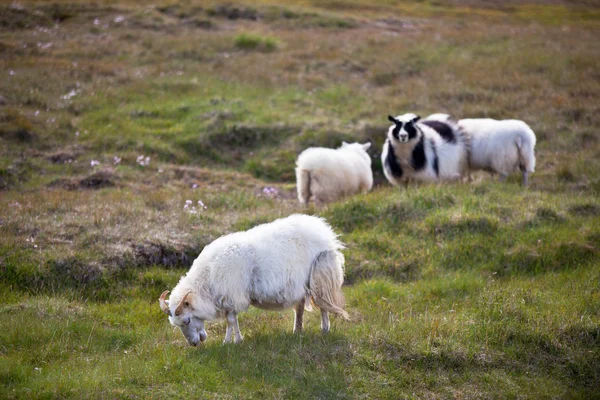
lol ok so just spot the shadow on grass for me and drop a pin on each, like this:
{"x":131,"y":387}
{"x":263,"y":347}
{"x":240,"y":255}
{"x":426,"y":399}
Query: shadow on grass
{"x":563,"y":256}
{"x":569,"y":361}
{"x":310,"y":365}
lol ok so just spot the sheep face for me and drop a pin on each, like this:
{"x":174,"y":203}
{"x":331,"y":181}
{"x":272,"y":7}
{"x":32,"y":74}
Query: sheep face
{"x":182,"y":316}
{"x":404,"y":129}
{"x":192,"y":328}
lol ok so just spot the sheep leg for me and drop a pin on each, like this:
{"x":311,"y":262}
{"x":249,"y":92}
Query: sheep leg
{"x":229,"y":330}
{"x":318,"y":202}
{"x":525,"y":178}
{"x":299,"y":313}
{"x":232,"y":326}
{"x":503,"y":177}
{"x":324,"y":321}
{"x":236,"y":327}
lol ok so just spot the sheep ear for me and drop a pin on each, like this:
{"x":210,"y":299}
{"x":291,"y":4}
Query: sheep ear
{"x":344,"y":144}
{"x":366,"y":146}
{"x":415,"y":119}
{"x":394,"y":120}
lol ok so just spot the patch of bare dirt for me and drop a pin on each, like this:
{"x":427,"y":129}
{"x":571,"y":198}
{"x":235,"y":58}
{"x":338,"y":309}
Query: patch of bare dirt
{"x":97,"y":180}
{"x":163,"y":254}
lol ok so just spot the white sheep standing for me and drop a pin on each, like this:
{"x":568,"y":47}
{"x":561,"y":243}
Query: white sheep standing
{"x":330,"y":174}
{"x":500,"y":146}
{"x":273,"y":266}
{"x":426,"y":150}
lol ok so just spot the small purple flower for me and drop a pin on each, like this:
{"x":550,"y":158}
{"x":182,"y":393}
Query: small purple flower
{"x":143,"y":160}
{"x":270,"y":191}
{"x":94,"y":163}
{"x":69,"y":95}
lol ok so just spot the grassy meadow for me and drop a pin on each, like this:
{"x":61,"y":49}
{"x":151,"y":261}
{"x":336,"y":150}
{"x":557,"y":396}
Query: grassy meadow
{"x":132,"y":135}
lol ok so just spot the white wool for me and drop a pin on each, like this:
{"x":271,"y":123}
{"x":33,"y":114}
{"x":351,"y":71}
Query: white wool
{"x":438,"y":117}
{"x":270,"y":266}
{"x":500,"y":146}
{"x":331,"y":174}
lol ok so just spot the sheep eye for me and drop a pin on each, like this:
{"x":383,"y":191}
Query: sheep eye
{"x":187,"y":304}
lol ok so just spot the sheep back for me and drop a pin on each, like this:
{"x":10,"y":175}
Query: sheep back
{"x":500,"y":146}
{"x":268,"y":264}
{"x":331,"y":174}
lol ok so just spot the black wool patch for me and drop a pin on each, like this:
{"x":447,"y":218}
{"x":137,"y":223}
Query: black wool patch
{"x":443,"y":129}
{"x":391,"y":162}
{"x":436,"y":166}
{"x":418,"y":155}
{"x":410,"y":128}
{"x":396,"y":131}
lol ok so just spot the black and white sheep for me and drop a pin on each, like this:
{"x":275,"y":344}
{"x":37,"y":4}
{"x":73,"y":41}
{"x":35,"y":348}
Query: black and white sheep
{"x":429,"y":150}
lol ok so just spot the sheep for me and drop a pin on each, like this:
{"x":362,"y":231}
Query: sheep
{"x":274,"y":266}
{"x":430,"y":150}
{"x":500,"y":146}
{"x":331,"y":174}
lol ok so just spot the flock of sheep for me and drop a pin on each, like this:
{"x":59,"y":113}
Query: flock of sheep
{"x":434,"y":149}
{"x":296,"y":262}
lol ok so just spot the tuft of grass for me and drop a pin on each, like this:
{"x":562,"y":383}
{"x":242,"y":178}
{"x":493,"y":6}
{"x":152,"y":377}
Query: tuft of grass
{"x":253,"y":41}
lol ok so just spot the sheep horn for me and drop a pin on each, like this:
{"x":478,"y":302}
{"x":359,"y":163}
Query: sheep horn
{"x":181,"y":303}
{"x":163,"y":303}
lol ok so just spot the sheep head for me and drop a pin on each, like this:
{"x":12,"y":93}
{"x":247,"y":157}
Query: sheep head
{"x":183,"y":317}
{"x":404,"y":128}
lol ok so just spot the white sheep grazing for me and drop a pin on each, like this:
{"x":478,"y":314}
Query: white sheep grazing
{"x":430,"y":150}
{"x":500,"y":146}
{"x":273,"y":266}
{"x":328,"y":175}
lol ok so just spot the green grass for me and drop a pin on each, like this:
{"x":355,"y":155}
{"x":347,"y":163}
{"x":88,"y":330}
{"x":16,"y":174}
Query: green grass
{"x":113,"y":116}
{"x":249,"y":41}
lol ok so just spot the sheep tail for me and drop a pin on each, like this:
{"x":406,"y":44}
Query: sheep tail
{"x":525,"y":144}
{"x":325,"y":282}
{"x":303,"y":182}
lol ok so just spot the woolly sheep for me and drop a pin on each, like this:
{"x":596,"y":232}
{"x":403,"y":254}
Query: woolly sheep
{"x":500,"y":146}
{"x":273,"y":266}
{"x":330,"y":174}
{"x":429,"y":150}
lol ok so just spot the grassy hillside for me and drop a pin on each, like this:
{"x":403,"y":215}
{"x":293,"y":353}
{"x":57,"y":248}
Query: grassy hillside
{"x":132,"y":135}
